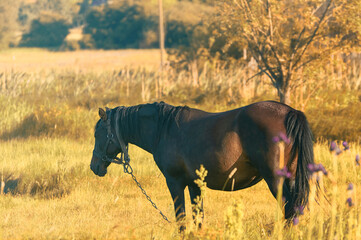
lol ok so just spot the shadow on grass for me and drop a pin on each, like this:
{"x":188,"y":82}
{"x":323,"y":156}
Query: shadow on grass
{"x":53,"y":122}
{"x":51,"y":186}
{"x":29,"y":127}
{"x":9,"y":186}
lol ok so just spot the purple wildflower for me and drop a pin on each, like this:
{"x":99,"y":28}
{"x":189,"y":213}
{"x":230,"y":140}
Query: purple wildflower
{"x":322,"y":168}
{"x":314,"y":168}
{"x":283,"y":172}
{"x":311,"y":167}
{"x":349,"y":202}
{"x":295,"y":221}
{"x":284,"y":138}
{"x":281,"y":137}
{"x":338,"y":151}
{"x":345,"y":145}
{"x":350,"y":187}
{"x":334,"y":147}
{"x":275,"y":139}
{"x":357,"y":160}
{"x":299,"y":210}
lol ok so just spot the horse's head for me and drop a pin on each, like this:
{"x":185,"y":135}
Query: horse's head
{"x":106,"y":146}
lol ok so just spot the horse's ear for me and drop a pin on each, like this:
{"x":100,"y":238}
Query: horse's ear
{"x":102,"y":114}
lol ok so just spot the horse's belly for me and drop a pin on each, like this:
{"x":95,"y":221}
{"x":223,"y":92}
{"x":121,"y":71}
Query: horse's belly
{"x":234,"y":170}
{"x":241,"y":175}
{"x":245,"y":176}
{"x":228,"y":166}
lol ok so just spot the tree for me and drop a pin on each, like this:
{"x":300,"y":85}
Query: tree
{"x":84,"y":7}
{"x":286,"y":36}
{"x":8,"y":24}
{"x":69,"y":10}
{"x":117,"y":26}
{"x":49,"y":30}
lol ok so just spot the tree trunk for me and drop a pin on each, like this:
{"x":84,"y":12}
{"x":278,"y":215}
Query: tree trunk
{"x":285,"y":95}
{"x":284,"y":91}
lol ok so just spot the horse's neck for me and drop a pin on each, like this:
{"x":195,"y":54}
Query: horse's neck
{"x":139,"y":130}
{"x":146,"y":124}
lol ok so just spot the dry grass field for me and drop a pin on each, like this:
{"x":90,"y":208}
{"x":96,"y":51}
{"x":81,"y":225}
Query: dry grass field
{"x":56,"y":195}
{"x":49,"y":102}
{"x":37,"y":60}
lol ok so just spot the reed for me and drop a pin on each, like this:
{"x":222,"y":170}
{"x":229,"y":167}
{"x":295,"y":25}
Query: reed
{"x":60,"y":102}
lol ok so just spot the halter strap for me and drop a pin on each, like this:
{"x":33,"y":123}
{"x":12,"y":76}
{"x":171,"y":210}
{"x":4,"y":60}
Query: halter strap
{"x":120,"y":139}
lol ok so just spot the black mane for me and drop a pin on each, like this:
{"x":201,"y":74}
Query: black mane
{"x":166,"y":115}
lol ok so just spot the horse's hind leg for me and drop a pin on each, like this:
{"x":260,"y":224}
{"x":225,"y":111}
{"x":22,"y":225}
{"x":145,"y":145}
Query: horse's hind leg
{"x":273,"y":184}
{"x":197,"y":204}
{"x":268,"y":168}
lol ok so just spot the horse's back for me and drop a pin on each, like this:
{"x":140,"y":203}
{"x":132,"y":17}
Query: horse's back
{"x":266,"y":117}
{"x":267,"y":110}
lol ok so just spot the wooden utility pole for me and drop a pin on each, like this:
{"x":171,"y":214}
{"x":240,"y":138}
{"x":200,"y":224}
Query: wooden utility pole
{"x":161,"y":46}
{"x":161,"y":33}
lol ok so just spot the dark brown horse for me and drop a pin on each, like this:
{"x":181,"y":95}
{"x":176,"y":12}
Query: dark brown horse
{"x":240,"y":141}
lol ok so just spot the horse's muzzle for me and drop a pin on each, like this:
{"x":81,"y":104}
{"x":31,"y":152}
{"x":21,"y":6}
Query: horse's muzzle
{"x":98,"y":167}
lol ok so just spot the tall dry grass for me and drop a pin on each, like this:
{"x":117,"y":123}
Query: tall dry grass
{"x":60,"y":102}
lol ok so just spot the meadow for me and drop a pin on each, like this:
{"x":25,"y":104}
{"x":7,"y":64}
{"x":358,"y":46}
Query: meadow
{"x":49,"y":102}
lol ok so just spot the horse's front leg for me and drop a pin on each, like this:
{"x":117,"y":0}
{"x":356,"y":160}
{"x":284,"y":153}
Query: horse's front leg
{"x":197,"y":204}
{"x":176,"y":188}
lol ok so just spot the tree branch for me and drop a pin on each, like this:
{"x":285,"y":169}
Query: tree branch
{"x":259,"y":66}
{"x":277,"y":59}
{"x":259,"y":73}
{"x":313,"y":34}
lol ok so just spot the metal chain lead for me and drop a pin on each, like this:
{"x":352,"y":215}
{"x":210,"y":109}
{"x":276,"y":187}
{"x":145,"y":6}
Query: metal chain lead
{"x":128,"y":169}
{"x":124,"y":158}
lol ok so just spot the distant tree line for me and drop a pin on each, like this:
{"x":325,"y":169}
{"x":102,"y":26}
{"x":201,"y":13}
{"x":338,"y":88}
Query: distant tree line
{"x":121,"y":24}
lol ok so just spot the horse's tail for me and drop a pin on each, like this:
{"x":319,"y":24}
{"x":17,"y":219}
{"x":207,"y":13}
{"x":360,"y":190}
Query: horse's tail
{"x":298,"y":130}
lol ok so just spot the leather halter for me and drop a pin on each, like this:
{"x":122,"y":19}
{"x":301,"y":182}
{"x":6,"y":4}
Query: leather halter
{"x":117,"y":140}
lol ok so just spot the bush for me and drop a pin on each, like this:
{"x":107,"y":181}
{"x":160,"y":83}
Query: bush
{"x":72,"y":45}
{"x":49,"y":30}
{"x":87,"y":42}
{"x":117,"y":26}
{"x":183,"y":21}
{"x":178,"y":34}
